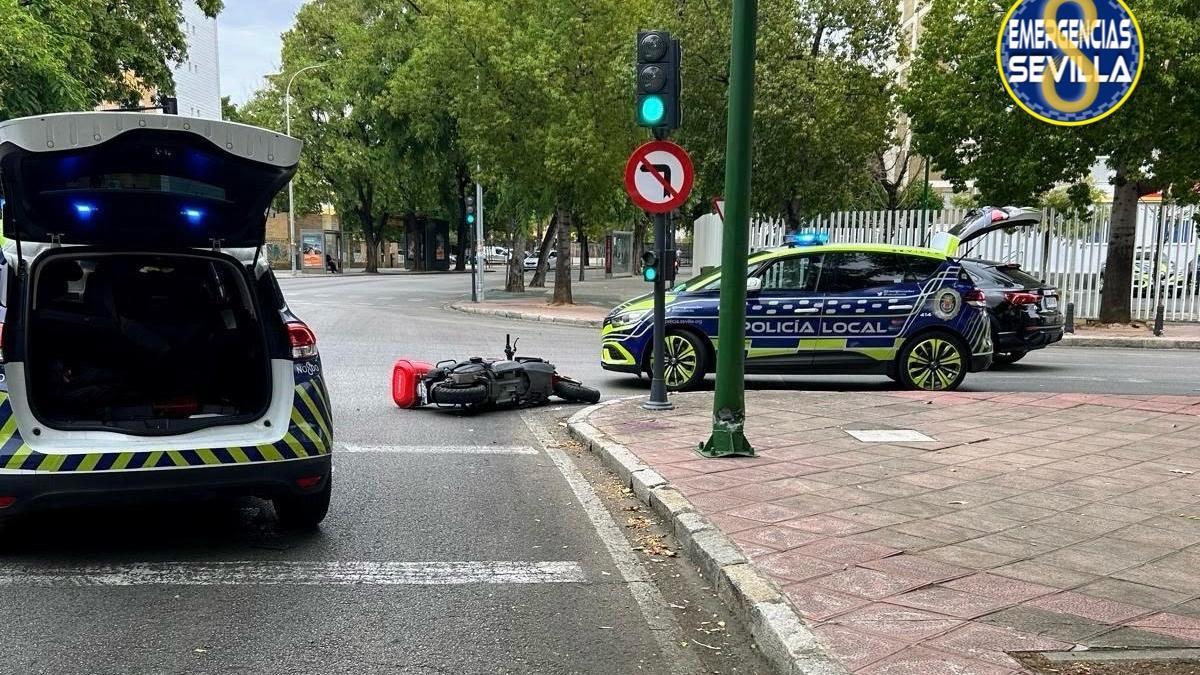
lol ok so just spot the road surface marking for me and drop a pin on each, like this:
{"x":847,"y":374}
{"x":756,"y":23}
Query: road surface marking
{"x":296,"y":573}
{"x":439,"y":449}
{"x":654,"y":609}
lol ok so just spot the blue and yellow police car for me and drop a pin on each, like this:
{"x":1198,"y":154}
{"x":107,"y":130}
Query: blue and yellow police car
{"x":912,"y":314}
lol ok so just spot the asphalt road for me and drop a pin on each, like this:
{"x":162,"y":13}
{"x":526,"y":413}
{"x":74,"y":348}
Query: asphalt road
{"x":455,"y":544}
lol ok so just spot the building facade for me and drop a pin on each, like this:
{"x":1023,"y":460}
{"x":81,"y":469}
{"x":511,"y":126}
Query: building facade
{"x":198,"y":79}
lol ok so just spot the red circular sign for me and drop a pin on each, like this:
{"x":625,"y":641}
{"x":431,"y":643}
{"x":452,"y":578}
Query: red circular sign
{"x":658,"y":176}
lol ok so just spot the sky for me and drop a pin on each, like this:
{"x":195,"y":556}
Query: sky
{"x":248,"y":39}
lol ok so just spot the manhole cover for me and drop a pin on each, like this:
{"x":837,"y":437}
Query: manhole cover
{"x":1112,"y":662}
{"x":889,"y":436}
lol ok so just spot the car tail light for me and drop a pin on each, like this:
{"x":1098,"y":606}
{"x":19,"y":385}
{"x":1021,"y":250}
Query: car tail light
{"x":308,"y":482}
{"x":304,"y":342}
{"x":975,"y":298}
{"x":1022,"y":298}
{"x":6,"y":502}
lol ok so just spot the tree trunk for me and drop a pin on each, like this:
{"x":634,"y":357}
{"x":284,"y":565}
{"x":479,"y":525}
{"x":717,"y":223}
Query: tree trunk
{"x":370,"y":235}
{"x":1118,"y":267}
{"x":583,"y":247}
{"x":562,"y":272}
{"x":416,"y":244}
{"x":514,"y":282}
{"x":464,"y":232}
{"x":543,"y":252}
{"x":639,"y":243}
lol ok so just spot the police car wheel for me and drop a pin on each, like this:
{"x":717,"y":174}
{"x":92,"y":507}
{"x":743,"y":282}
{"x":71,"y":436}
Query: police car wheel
{"x":932,"y":362}
{"x":304,"y":512}
{"x":686,"y":356}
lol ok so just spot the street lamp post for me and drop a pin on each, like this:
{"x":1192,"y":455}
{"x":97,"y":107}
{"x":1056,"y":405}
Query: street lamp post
{"x":287,"y":103}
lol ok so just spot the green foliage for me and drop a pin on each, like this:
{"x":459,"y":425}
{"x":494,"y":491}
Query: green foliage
{"x":61,"y":55}
{"x":823,"y":106}
{"x":229,"y":110}
{"x":917,"y":195}
{"x":1072,"y":200}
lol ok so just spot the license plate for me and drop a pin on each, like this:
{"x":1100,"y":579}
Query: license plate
{"x":1051,"y":302}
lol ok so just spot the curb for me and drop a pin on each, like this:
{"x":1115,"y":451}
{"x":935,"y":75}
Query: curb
{"x":1129,"y":342}
{"x":525,"y":316}
{"x":786,"y":642}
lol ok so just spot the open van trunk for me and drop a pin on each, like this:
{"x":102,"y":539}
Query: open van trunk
{"x":144,"y":343}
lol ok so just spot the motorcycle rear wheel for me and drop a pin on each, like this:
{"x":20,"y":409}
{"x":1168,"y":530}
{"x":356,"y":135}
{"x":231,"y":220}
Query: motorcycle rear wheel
{"x":574,"y":391}
{"x":470,"y":395}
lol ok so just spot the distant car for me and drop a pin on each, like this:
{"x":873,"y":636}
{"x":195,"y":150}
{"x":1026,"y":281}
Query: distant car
{"x":497,"y":254}
{"x":1024,"y":311}
{"x":531,"y":261}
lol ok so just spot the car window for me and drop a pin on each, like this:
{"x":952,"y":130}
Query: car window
{"x":921,"y":268}
{"x":796,"y":273}
{"x":858,"y":270}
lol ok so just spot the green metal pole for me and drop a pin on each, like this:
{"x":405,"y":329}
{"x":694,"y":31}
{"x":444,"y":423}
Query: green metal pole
{"x":729,"y":403}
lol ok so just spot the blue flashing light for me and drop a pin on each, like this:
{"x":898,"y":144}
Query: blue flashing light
{"x":194,"y":216}
{"x":85,"y":210}
{"x":809,"y":239}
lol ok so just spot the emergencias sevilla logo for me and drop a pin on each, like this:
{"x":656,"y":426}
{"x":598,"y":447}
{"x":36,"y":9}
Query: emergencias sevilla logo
{"x":1070,"y":62}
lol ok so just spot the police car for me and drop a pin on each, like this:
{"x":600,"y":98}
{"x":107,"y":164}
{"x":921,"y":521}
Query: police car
{"x":147,"y":348}
{"x":912,"y":314}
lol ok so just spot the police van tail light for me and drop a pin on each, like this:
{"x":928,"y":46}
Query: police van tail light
{"x":304,"y":342}
{"x":1,"y":342}
{"x":975,"y":298}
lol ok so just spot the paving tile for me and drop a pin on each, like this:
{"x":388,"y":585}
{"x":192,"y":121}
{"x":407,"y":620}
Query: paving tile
{"x":795,"y":567}
{"x":1055,"y":625}
{"x":818,"y":603}
{"x":1077,"y":523}
{"x":1175,"y":625}
{"x":900,"y":623}
{"x":1124,"y":638}
{"x":854,"y":649}
{"x":968,"y":557}
{"x":1143,"y":534}
{"x":1039,"y":573}
{"x":995,"y":586}
{"x":919,"y":567}
{"x":898,"y":540}
{"x":777,"y":538}
{"x":825,"y":525}
{"x":977,"y":522}
{"x":925,"y":506}
{"x":764,"y":513}
{"x":921,"y":661}
{"x":1048,"y":501}
{"x":1103,"y":556}
{"x":809,"y":504}
{"x":942,"y":532}
{"x":867,"y":583}
{"x":710,"y":482}
{"x":869,"y":515}
{"x":989,"y":643}
{"x":1002,"y":544}
{"x":717,"y":501}
{"x":1099,"y":609}
{"x":1046,"y":535}
{"x":1161,"y":576}
{"x":845,"y":551}
{"x":730,"y":524}
{"x":949,"y":602}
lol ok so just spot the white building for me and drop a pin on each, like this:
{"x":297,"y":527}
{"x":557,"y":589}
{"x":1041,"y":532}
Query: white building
{"x":198,"y":79}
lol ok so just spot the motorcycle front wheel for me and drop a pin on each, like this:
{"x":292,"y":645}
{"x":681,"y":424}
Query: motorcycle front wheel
{"x":574,"y":391}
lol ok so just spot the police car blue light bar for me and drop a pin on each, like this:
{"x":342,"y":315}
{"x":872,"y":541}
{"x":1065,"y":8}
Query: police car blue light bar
{"x":809,"y":239}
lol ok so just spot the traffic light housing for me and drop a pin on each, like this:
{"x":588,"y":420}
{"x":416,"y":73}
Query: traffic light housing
{"x":667,"y":265}
{"x":658,"y":80}
{"x":470,"y":210}
{"x":651,"y":266}
{"x":170,"y":105}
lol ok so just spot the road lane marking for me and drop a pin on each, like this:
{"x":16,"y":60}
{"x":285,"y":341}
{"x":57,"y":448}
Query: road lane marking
{"x":297,"y":573}
{"x":438,"y":449}
{"x":649,"y":600}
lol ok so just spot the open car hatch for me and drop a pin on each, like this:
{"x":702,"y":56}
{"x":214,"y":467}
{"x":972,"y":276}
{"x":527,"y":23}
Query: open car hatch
{"x":131,"y":180}
{"x":979,"y":222}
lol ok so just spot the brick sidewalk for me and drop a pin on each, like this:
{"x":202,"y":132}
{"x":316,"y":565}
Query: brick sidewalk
{"x":1031,"y":522}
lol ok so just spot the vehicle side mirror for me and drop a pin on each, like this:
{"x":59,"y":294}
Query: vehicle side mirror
{"x":753,"y":284}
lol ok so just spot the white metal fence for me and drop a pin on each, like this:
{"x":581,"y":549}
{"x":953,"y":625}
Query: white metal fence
{"x":1066,"y":252}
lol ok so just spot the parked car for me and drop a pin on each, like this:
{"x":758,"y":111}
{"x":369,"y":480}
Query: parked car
{"x":912,"y":314}
{"x":497,"y":254}
{"x":1024,"y":311}
{"x":531,"y":261}
{"x":148,"y":349}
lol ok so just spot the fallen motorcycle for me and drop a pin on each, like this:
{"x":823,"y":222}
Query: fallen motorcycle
{"x":484,"y":383}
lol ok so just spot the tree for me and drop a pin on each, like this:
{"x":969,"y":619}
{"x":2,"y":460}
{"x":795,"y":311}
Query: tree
{"x":967,"y":124}
{"x":62,"y":55}
{"x":824,"y":99}
{"x":229,"y":110}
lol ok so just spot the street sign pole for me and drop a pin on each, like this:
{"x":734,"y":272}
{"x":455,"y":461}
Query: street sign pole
{"x":480,"y":248}
{"x":729,"y":401}
{"x":658,"y":386}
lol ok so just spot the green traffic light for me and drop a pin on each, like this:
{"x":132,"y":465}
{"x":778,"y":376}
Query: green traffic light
{"x":470,"y":218}
{"x":652,"y":110}
{"x":649,"y":273}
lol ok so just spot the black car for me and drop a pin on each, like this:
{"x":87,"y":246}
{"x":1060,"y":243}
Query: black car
{"x":1024,"y":311}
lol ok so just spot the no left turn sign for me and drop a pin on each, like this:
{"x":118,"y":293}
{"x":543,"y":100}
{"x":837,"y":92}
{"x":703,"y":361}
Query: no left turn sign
{"x":659,"y":176}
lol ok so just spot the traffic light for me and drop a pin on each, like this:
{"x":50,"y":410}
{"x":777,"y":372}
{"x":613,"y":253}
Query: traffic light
{"x":668,"y":265}
{"x":658,"y":80}
{"x":470,"y":204}
{"x":651,"y":267}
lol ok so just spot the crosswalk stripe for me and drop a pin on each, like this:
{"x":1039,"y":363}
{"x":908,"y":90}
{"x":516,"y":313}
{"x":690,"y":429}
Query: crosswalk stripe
{"x":296,"y":573}
{"x":439,"y":449}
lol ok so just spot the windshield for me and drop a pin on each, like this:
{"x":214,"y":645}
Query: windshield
{"x":711,"y":280}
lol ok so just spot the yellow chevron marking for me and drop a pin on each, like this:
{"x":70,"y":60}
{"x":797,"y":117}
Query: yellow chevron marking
{"x":177,"y":458}
{"x":239,"y":456}
{"x":307,"y":429}
{"x":9,"y":428}
{"x":152,"y":460}
{"x":18,"y":458}
{"x":316,"y":412}
{"x":89,"y":462}
{"x":324,"y":401}
{"x":122,"y":461}
{"x":207,"y":456}
{"x":51,"y":462}
{"x":270,"y":453}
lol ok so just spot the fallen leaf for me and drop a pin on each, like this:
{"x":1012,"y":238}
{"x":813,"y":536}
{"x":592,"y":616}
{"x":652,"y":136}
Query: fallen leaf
{"x":1182,"y":472}
{"x":956,"y":502}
